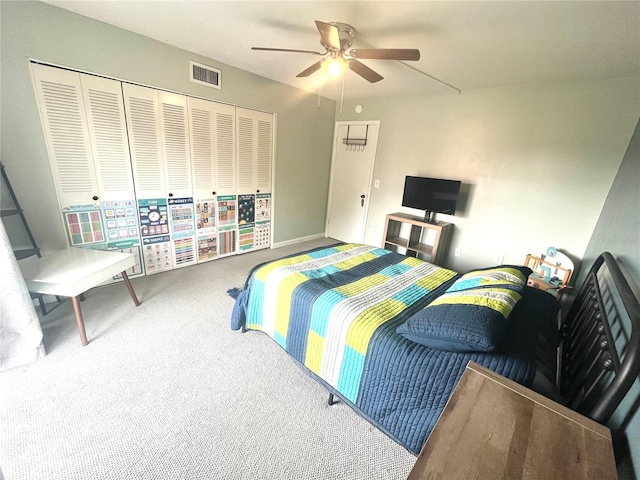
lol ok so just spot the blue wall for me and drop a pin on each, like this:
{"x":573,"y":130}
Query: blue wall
{"x":618,"y":232}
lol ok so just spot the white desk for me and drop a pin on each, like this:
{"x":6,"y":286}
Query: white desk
{"x":71,"y":272}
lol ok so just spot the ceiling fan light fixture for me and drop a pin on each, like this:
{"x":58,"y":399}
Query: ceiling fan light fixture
{"x":337,"y":38}
{"x":335,"y":67}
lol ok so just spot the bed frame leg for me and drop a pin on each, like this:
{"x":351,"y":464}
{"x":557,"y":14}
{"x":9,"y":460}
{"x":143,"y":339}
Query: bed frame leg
{"x":331,"y":400}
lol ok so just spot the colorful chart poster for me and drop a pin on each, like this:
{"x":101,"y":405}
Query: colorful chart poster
{"x":205,"y":214}
{"x":245,"y":233}
{"x":182,"y":215}
{"x":156,"y":252}
{"x":84,"y":227}
{"x":120,"y":219}
{"x":246,"y":209}
{"x":184,"y":250}
{"x":227,"y":240}
{"x":263,"y":207}
{"x":262,"y":235}
{"x":207,"y":246}
{"x":153,"y":217}
{"x":227,"y":210}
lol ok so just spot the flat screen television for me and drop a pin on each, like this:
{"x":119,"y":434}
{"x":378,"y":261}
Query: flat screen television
{"x":433,"y":195}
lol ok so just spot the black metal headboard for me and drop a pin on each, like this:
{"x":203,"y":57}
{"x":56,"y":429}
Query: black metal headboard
{"x":600,"y":342}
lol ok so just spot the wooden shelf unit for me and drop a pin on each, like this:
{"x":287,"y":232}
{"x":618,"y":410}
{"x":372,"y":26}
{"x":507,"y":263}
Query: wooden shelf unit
{"x":414,"y":237}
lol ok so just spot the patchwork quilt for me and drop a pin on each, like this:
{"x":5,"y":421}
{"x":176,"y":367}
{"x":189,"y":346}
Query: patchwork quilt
{"x":336,"y":310}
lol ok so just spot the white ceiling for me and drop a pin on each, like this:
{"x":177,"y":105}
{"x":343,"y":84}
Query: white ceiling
{"x":469,"y":45}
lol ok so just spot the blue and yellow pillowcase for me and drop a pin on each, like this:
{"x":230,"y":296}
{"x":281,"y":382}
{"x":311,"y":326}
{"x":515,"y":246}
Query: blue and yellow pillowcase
{"x":513,"y":277}
{"x":472,"y":315}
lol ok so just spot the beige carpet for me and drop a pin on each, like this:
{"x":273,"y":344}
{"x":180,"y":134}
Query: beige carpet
{"x":167,"y":391}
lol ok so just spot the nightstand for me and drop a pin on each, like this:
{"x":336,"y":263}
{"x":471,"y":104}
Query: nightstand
{"x":494,"y":428}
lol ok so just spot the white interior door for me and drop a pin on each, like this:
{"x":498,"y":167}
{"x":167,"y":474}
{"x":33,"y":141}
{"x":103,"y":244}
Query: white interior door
{"x":351,"y":174}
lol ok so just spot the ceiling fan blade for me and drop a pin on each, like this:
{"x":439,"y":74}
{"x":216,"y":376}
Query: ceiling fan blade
{"x":364,"y":71}
{"x":313,"y":68}
{"x":329,"y":35}
{"x":412,"y":54}
{"x":268,"y":49}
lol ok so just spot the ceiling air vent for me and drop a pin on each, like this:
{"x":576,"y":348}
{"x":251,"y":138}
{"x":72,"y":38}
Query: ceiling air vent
{"x":205,"y":75}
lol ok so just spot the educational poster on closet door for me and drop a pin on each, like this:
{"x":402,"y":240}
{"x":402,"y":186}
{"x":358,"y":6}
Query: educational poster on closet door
{"x":156,"y":252}
{"x":262,"y":235}
{"x":133,"y":247}
{"x":263,"y":207}
{"x":121,"y":220}
{"x":183,"y":243}
{"x":183,"y":249}
{"x":154,"y":219}
{"x":83,"y":224}
{"x":246,"y":209}
{"x":262,"y":229}
{"x":227,"y":240}
{"x":206,"y":231}
{"x":227,"y":224}
{"x":206,"y":214}
{"x":253,"y":236}
{"x":227,"y":210}
{"x":154,"y":229}
{"x":207,"y":246}
{"x":245,"y":234}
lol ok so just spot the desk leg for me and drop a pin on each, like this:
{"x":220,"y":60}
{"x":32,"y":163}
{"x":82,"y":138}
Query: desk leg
{"x":81,"y":331}
{"x":127,"y":282}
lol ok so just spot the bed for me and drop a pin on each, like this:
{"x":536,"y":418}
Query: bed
{"x":391,"y":335}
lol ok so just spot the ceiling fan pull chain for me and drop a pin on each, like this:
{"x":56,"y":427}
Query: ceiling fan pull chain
{"x":319,"y":94}
{"x":342,"y":94}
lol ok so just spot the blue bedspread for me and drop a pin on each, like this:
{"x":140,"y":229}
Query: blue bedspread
{"x":336,"y":310}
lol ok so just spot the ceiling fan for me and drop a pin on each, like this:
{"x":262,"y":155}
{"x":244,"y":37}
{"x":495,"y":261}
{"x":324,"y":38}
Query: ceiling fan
{"x":337,"y":38}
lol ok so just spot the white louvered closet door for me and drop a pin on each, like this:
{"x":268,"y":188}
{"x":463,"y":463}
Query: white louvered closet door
{"x":254,"y":151}
{"x":175,"y":137}
{"x":225,"y":144}
{"x":64,"y":120}
{"x":211,"y":127}
{"x":143,"y":123}
{"x":104,"y":106}
{"x":264,"y":154}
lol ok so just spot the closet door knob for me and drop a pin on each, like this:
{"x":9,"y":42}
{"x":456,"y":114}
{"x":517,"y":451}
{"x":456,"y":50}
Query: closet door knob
{"x":95,"y":197}
{"x":213,"y":193}
{"x":171,"y":194}
{"x":257,"y":191}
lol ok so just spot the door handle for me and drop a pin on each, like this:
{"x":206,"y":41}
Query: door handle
{"x":362,"y":200}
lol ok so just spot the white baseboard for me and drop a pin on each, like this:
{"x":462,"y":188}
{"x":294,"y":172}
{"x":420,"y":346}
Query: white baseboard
{"x":298,"y":240}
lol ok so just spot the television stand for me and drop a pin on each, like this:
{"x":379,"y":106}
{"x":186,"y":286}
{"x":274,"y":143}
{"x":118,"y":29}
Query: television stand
{"x":415,"y":237}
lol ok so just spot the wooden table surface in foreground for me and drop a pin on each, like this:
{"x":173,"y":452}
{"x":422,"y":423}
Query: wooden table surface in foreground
{"x":493,"y":428}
